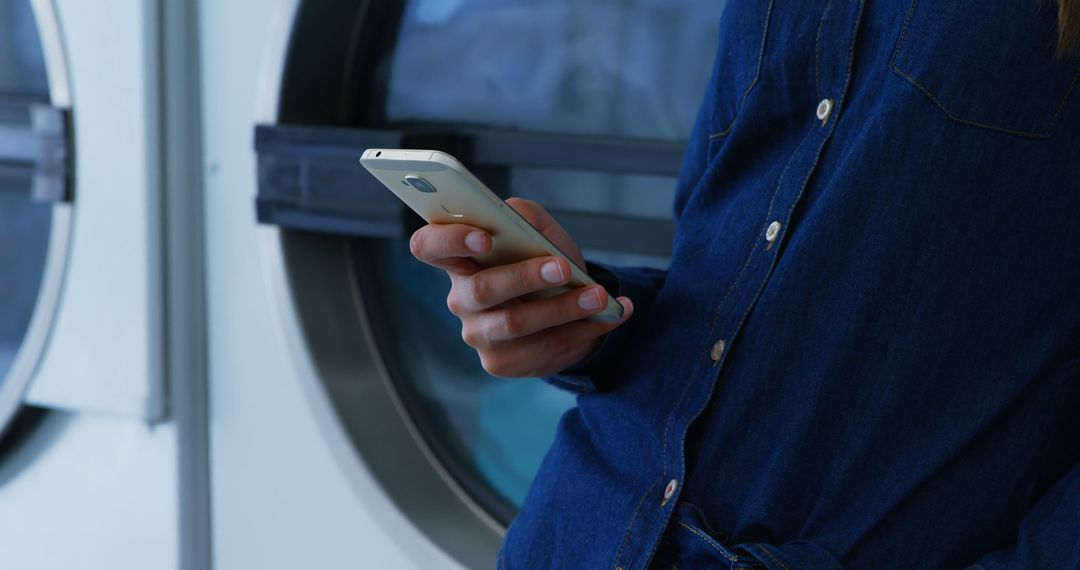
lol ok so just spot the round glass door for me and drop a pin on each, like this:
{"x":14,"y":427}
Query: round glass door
{"x":582,"y":105}
{"x":26,"y":218}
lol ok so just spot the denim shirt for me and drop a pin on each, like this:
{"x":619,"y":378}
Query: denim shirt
{"x":866,"y":351}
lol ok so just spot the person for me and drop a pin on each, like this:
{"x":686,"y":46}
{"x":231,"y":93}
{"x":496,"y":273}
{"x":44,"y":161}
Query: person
{"x":866,"y":350}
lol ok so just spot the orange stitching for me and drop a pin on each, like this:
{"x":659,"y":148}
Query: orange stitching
{"x":1044,"y":134}
{"x":770,"y":555}
{"x":731,"y":288}
{"x":626,"y":535}
{"x":810,"y":172}
{"x":935,"y":101}
{"x":711,"y":542}
{"x":757,"y":75}
{"x":704,"y":521}
{"x":1063,"y":100}
{"x":817,"y":52}
{"x":768,"y":214}
{"x":730,"y":126}
{"x":903,"y":32}
{"x":817,"y":156}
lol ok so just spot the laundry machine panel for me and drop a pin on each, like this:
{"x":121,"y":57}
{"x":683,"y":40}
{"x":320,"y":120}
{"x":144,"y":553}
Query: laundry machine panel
{"x":104,"y":349}
{"x":85,"y":480}
{"x":281,"y":498}
{"x":89,"y":491}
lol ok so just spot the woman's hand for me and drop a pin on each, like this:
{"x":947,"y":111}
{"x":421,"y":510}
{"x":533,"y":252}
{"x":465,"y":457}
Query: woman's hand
{"x":517,"y":337}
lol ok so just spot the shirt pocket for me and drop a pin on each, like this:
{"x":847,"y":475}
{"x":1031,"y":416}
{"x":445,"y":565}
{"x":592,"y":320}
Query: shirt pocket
{"x":744,"y":28}
{"x":988,"y":65}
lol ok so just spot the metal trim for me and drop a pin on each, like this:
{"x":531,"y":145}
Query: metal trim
{"x":481,"y":147}
{"x":308,"y":179}
{"x":36,"y":338}
{"x":184,"y":282}
{"x":34,"y":148}
{"x":52,"y":46}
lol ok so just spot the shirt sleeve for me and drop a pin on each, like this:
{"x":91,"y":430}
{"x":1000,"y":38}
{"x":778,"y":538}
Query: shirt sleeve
{"x":641,"y":284}
{"x":1049,"y":535}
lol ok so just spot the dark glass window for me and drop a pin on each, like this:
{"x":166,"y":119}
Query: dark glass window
{"x":625,"y":69}
{"x":24,"y":223}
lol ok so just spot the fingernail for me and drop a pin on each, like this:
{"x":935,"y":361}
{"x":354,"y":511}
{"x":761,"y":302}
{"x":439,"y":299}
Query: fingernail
{"x":589,"y":300}
{"x":475,"y":242}
{"x":552,"y":273}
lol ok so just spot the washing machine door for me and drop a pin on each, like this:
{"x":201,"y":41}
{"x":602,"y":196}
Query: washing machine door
{"x":582,"y":105}
{"x":35,"y":196}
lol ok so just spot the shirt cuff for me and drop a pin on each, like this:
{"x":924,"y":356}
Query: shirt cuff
{"x":641,"y":284}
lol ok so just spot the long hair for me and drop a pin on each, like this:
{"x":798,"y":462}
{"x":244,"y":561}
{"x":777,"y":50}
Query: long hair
{"x":1068,"y":12}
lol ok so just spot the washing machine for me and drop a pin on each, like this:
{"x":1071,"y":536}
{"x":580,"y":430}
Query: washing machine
{"x":351,"y":427}
{"x":94,"y":472}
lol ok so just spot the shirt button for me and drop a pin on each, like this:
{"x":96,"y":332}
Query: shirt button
{"x":772,"y":231}
{"x":823,"y":110}
{"x":669,"y":491}
{"x":717,"y":351}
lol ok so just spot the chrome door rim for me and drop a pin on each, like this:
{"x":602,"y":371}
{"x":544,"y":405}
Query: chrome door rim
{"x":35,"y":341}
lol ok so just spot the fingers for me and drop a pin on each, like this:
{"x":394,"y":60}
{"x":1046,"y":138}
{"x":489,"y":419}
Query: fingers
{"x":448,"y":246}
{"x":489,"y":287}
{"x":514,"y":337}
{"x":523,"y":319}
{"x":550,"y":350}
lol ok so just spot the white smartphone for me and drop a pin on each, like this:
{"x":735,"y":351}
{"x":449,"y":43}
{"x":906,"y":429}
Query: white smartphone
{"x":436,"y":186}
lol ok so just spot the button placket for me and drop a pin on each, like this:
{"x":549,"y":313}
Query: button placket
{"x":744,"y":293}
{"x":738,"y":299}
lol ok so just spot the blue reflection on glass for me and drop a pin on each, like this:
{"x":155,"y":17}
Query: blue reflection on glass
{"x":24,"y":225}
{"x":24,"y":238}
{"x":615,"y":67}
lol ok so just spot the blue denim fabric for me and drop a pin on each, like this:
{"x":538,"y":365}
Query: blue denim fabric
{"x":899,"y":380}
{"x":690,"y":543}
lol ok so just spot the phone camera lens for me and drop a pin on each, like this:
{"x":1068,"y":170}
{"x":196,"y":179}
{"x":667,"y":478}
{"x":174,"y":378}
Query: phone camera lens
{"x":419,"y":183}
